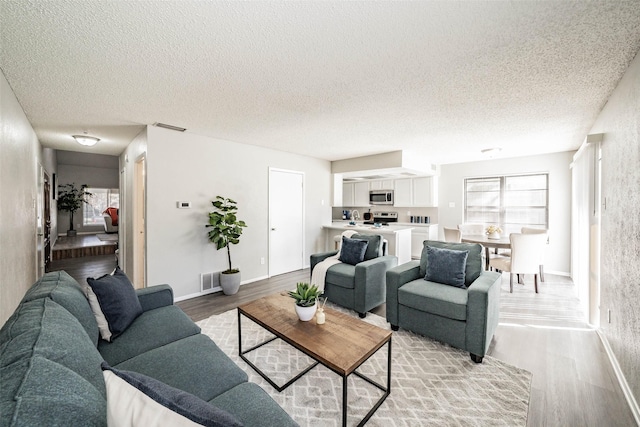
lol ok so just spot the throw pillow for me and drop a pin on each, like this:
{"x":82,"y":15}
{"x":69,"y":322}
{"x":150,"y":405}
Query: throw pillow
{"x":118,"y":301}
{"x":352,"y":250}
{"x":446,"y":266}
{"x":135,"y":399}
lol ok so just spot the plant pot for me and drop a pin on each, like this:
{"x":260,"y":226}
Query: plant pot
{"x":230,"y":282}
{"x":306,"y":313}
{"x":72,"y":233}
{"x":494,"y":236}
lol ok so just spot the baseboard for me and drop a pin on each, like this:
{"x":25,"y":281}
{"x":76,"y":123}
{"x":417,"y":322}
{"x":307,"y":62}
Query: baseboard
{"x":216,"y":289}
{"x":628,"y":394}
{"x":558,"y":273}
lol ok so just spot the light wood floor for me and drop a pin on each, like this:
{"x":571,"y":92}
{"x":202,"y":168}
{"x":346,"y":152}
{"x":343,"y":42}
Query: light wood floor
{"x":573,"y":383}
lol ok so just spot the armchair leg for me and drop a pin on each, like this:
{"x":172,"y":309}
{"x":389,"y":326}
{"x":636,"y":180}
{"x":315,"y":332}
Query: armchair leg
{"x":535,"y":281}
{"x":511,"y":283}
{"x":395,"y":327}
{"x":362,"y":315}
{"x":541,"y":273}
{"x":476,"y":358}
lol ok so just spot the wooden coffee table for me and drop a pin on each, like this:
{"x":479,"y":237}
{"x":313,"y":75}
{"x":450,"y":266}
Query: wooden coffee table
{"x":342,"y":344}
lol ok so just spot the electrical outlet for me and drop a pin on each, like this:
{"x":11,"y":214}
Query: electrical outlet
{"x":262,"y":261}
{"x":408,"y":213}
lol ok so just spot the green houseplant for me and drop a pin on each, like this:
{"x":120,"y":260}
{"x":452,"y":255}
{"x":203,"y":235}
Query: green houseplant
{"x":225,"y":230}
{"x":70,"y":199}
{"x":306,"y":298}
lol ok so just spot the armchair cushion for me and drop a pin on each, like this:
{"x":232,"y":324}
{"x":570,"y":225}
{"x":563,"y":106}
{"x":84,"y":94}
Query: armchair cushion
{"x":342,"y":275}
{"x":352,"y":250}
{"x":475,"y":262}
{"x":435,"y":298}
{"x":446,"y":266}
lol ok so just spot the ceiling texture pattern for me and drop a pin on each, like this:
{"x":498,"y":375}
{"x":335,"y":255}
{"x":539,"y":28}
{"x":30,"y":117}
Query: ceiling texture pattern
{"x":327,"y":79}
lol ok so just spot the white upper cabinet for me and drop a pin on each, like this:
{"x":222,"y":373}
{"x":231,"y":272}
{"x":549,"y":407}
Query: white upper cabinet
{"x":418,"y":192}
{"x":361,"y":194}
{"x":403,"y":192}
{"x":381,"y":184}
{"x":347,"y":194}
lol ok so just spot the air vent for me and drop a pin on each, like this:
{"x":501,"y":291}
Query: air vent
{"x":171,"y":127}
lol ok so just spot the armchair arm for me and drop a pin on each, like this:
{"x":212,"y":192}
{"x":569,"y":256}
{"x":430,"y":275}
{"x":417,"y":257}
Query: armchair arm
{"x":316,"y":258}
{"x":370,"y":279}
{"x":483,"y":311}
{"x":396,"y":277}
{"x":155,"y":297}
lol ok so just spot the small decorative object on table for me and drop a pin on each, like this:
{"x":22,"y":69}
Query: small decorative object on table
{"x":493,"y":232}
{"x":306,"y":300}
{"x":320,"y":316}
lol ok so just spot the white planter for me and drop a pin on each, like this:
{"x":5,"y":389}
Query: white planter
{"x":230,"y":283}
{"x":494,"y":236}
{"x":306,"y":313}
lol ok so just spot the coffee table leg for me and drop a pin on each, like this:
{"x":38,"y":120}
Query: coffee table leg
{"x":344,"y":401}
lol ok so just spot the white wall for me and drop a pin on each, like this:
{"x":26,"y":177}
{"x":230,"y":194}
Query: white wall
{"x":451,"y":190}
{"x":619,"y":121}
{"x":20,"y":153}
{"x":187,"y":167}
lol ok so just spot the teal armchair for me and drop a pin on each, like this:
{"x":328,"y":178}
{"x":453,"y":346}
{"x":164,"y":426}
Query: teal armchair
{"x":359,"y":287}
{"x":463,"y":317}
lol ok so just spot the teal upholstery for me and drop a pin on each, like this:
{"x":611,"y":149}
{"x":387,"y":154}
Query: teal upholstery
{"x":359,"y":287}
{"x":463,"y":318}
{"x":50,"y":363}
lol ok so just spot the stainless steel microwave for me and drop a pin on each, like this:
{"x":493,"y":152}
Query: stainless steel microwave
{"x":381,"y":197}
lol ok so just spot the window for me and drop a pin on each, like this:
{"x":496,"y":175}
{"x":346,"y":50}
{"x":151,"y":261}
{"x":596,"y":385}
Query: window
{"x":512,"y":202}
{"x":102,"y":199}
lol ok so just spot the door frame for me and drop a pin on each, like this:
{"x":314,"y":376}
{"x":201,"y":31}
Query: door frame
{"x":269,"y":216}
{"x":139,"y":222}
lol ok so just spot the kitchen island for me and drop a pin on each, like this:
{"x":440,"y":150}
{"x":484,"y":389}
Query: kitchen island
{"x":398,"y":236}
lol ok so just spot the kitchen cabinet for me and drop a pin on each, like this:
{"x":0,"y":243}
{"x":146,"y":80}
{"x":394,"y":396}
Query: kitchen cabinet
{"x":421,"y":192}
{"x":381,"y":184}
{"x":348,"y":195}
{"x":403,"y":192}
{"x":361,"y":194}
{"x":418,"y":235}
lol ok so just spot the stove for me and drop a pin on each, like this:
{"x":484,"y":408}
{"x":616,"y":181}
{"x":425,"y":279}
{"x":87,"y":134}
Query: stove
{"x":383,"y":218}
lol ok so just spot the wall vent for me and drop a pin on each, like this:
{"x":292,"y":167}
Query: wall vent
{"x":209,"y":281}
{"x":171,"y":127}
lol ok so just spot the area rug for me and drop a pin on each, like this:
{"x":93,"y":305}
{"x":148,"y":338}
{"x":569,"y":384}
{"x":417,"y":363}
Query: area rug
{"x":433,"y":384}
{"x":107,"y":237}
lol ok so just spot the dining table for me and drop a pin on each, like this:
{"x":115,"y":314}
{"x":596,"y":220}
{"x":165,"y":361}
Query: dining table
{"x":489,"y":243}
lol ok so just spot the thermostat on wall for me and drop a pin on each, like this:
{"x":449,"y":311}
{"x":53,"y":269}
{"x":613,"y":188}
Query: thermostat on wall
{"x":184,"y":205}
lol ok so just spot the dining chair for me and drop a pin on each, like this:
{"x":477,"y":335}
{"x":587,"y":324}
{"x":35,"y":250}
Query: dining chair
{"x":474,"y":229}
{"x":452,"y":235}
{"x":524,"y":259}
{"x":531,"y":230}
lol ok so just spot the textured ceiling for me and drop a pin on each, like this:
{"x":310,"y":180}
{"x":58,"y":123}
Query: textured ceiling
{"x":333,"y":80}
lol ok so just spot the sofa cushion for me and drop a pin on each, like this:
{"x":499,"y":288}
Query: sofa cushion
{"x":342,"y":275}
{"x":136,"y":400}
{"x":49,"y":368}
{"x":118,"y":301}
{"x":446,"y":266}
{"x":352,"y":250}
{"x":63,"y":289}
{"x":152,"y":329}
{"x":374,"y":248}
{"x":194,"y":364}
{"x":475,"y":264}
{"x":436,"y":298}
{"x":253,"y":407}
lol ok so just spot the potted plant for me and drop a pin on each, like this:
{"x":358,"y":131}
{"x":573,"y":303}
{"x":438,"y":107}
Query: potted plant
{"x":493,"y":231}
{"x":226,"y":230}
{"x":306,"y":300}
{"x":70,"y":199}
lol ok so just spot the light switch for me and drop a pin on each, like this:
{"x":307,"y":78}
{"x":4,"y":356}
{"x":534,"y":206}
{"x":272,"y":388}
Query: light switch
{"x":452,"y":204}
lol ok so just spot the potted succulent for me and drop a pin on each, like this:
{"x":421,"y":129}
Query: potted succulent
{"x":225,"y":230}
{"x":306,"y":300}
{"x":70,"y":199}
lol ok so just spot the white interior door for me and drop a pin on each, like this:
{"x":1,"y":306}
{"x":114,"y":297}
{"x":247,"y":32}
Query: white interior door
{"x":286,"y":221}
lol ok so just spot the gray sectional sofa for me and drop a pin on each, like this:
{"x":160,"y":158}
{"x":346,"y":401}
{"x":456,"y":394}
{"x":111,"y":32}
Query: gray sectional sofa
{"x":51,"y":356}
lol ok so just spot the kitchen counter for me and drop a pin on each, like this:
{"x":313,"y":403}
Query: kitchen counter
{"x":398,"y":237}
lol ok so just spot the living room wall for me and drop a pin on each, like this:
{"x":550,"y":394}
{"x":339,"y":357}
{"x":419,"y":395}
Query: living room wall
{"x":451,"y":190}
{"x":193,"y":168}
{"x":619,"y":121}
{"x":20,"y":154}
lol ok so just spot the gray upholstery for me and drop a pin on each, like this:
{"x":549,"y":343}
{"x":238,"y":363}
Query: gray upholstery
{"x":50,"y":359}
{"x":463,"y":318}
{"x":359,"y":287}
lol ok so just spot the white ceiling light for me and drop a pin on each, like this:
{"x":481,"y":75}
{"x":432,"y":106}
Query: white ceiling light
{"x":490,"y":152}
{"x":86,"y":140}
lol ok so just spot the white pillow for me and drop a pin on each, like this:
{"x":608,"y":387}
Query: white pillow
{"x":101,"y":320}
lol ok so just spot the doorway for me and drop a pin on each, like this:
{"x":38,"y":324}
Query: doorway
{"x":139,"y":230}
{"x":43,"y":222}
{"x":286,"y":221}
